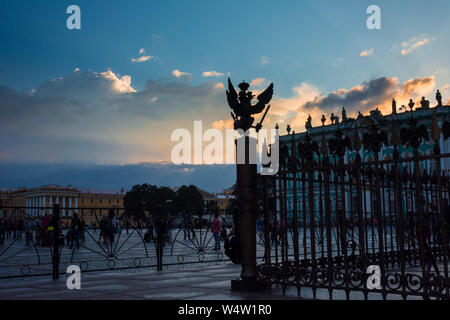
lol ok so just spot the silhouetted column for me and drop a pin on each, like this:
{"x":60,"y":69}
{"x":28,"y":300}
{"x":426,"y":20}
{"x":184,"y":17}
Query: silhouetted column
{"x":246,"y":183}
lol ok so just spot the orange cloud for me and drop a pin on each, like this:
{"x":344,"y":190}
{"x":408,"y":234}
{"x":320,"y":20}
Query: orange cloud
{"x":257,"y":81}
{"x":223,"y":124}
{"x":414,"y":43}
{"x":415,"y":88}
{"x":367,"y":53}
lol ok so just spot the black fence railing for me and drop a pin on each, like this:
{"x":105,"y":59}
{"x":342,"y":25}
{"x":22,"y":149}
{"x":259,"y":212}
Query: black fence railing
{"x":36,"y":241}
{"x":331,"y":220}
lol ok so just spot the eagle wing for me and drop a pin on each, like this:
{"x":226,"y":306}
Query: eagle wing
{"x":232,"y":98}
{"x":263,"y":99}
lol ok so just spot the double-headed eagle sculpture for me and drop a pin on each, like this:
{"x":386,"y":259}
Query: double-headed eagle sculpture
{"x":242,"y":109}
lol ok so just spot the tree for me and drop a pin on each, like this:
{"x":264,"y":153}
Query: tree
{"x":162,"y":201}
{"x":135,"y":201}
{"x":150,"y":198}
{"x":189,"y":200}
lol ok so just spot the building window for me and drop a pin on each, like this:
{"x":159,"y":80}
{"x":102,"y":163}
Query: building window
{"x":92,"y":200}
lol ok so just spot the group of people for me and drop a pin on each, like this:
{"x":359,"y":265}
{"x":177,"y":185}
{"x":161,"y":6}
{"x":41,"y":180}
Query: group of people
{"x":161,"y":226}
{"x":11,"y":229}
{"x":218,"y":229}
{"x":38,"y":230}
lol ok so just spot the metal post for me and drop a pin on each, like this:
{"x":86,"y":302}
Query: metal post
{"x":159,"y":244}
{"x":55,"y":256}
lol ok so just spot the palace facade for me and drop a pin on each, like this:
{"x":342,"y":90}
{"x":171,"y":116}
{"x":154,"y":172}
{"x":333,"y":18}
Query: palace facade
{"x":424,"y":116}
{"x":38,"y":201}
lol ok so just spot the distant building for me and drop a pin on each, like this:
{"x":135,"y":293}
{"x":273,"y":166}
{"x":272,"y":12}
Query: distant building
{"x":37,"y":201}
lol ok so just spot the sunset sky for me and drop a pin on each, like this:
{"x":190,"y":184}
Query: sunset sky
{"x":96,"y":107}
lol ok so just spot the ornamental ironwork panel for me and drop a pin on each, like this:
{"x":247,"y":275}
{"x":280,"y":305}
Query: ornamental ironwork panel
{"x":331,"y":216}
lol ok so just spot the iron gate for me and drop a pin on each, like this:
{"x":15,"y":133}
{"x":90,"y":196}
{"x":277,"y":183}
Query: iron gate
{"x":328,"y":218}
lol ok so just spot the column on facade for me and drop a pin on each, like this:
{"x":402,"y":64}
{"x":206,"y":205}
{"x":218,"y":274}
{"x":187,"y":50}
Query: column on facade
{"x":64,"y":206}
{"x":33,"y":205}
{"x":50,"y":204}
{"x":76,"y":204}
{"x":70,"y":206}
{"x":57,"y":199}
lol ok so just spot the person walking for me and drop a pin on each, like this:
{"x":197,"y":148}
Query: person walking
{"x":82,"y":230}
{"x":110,"y":230}
{"x":102,"y":228}
{"x":29,"y":227}
{"x":20,"y":227}
{"x":75,"y":227}
{"x":14,"y":228}
{"x":150,"y":225}
{"x":187,"y":226}
{"x":215,"y":229}
{"x":7,"y":227}
{"x":2,"y":231}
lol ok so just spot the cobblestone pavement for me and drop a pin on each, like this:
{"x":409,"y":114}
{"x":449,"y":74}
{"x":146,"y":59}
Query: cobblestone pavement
{"x":204,"y":283}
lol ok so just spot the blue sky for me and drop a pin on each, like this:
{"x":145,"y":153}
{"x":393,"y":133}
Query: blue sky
{"x":309,"y":49}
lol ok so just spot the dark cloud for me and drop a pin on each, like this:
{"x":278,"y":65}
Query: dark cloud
{"x":100,"y":117}
{"x":369,"y":94}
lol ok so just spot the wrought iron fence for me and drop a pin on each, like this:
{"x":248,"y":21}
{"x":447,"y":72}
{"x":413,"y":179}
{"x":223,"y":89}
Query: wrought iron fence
{"x":329,"y":218}
{"x":41,"y":241}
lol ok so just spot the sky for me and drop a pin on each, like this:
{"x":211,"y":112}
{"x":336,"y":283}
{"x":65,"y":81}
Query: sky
{"x":96,"y":107}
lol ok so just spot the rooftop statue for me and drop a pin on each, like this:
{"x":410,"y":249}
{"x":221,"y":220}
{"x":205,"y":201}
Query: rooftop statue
{"x":308,"y":124}
{"x":411,"y":104}
{"x":394,"y":106}
{"x":334,"y":119}
{"x":425,"y":103}
{"x":242,"y":109}
{"x":344,"y":115}
{"x":439,"y":98}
